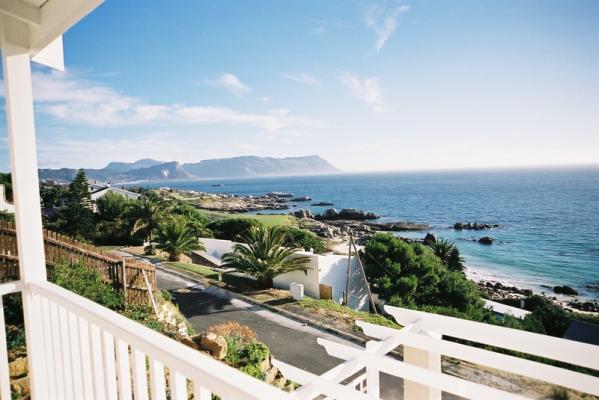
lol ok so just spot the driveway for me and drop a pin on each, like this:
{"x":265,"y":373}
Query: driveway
{"x":289,"y":341}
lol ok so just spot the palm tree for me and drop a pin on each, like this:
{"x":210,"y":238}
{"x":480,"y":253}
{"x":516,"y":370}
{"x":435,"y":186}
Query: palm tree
{"x":175,"y":238}
{"x":147,"y":214}
{"x":449,"y":253}
{"x":264,"y":255}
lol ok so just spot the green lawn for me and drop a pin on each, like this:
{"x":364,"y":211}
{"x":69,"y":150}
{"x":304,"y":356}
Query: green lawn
{"x":271,"y":220}
{"x":196,"y":269}
{"x":238,"y":283}
{"x":331,"y":307}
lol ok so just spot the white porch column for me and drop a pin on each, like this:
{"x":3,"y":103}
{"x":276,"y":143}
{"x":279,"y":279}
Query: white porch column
{"x":424,"y":359}
{"x":23,"y":157}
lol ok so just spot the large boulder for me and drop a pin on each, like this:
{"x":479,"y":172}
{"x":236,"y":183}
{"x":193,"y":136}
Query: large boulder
{"x":301,"y":199}
{"x":330,"y":213}
{"x":356,"y":215}
{"x":18,"y":368}
{"x":430,"y":238}
{"x":216,"y":345}
{"x":485,"y":240}
{"x":302,"y":214}
{"x":475,"y":226}
{"x":323,"y":204}
{"x":567,"y":290}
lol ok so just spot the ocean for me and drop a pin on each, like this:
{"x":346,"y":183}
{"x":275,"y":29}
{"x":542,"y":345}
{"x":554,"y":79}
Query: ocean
{"x":549,"y":218}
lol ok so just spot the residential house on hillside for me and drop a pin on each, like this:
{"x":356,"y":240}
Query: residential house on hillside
{"x":100,"y":190}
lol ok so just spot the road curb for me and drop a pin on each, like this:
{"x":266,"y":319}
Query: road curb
{"x":288,"y":314}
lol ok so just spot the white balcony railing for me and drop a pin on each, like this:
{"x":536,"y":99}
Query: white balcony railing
{"x":90,"y":352}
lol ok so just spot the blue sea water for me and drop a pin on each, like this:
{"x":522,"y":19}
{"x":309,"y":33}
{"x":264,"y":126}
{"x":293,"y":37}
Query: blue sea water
{"x":549,"y":218}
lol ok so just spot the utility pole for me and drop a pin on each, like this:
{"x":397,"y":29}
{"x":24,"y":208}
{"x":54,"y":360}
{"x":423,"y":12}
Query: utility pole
{"x":372,"y":304}
{"x":346,"y":293}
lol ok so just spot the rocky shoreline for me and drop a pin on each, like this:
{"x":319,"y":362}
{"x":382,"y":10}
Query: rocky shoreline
{"x":497,"y":291}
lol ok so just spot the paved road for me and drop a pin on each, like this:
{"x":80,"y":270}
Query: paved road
{"x":289,"y":341}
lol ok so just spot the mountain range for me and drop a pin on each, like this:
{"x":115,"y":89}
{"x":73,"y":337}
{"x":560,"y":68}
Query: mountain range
{"x":236,"y":167}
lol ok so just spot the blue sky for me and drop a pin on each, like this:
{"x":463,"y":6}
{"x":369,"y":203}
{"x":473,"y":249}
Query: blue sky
{"x":367,"y":85}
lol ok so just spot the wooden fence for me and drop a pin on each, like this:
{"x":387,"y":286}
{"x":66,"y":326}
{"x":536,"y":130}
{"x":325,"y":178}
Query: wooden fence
{"x":124,"y":274}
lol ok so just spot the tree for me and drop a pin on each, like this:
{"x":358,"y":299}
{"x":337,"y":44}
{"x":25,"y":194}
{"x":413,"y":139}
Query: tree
{"x":410,"y":274}
{"x":233,"y":228}
{"x":113,"y":225}
{"x":194,"y":218}
{"x":76,"y":219}
{"x":176,"y":237}
{"x":449,"y":253}
{"x":304,"y":239}
{"x":264,"y":255}
{"x":146,"y":215}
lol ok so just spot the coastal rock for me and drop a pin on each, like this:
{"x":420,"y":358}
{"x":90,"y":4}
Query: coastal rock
{"x":398,"y":226}
{"x":356,"y":215}
{"x":584,"y":306}
{"x":567,"y":290}
{"x":302,"y":214}
{"x":216,"y":345}
{"x":330,"y":213}
{"x":301,"y":199}
{"x":592,"y":286}
{"x":485,"y":240}
{"x":322,"y":204}
{"x":430,"y":238}
{"x":18,"y":367}
{"x":279,"y":194}
{"x":476,"y":226}
{"x":349,"y":214}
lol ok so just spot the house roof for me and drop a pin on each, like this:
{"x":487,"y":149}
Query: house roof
{"x":38,"y":25}
{"x":117,"y":190}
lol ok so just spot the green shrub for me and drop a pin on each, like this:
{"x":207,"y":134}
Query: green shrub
{"x":166,"y":295}
{"x":7,"y":216}
{"x":13,"y":318}
{"x":87,"y":283}
{"x":253,"y":370}
{"x":255,"y":353}
{"x":232,"y":228}
{"x":410,"y":275}
{"x":304,"y":239}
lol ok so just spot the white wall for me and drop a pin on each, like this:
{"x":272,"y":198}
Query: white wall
{"x":5,"y":205}
{"x":216,"y":247}
{"x":308,"y":278}
{"x":327,"y":269}
{"x":333,"y":271}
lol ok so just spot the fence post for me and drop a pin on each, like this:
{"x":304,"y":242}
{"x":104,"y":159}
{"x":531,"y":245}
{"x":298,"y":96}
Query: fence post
{"x":424,"y":359}
{"x":124,"y":276}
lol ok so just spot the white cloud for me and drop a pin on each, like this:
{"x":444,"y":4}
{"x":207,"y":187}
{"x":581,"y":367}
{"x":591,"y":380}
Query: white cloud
{"x":383,"y":21}
{"x":302,"y":77}
{"x":231,"y":83}
{"x":367,"y":89}
{"x":70,"y":98}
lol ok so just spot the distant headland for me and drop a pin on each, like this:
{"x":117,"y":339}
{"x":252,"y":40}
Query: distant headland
{"x":235,"y":167}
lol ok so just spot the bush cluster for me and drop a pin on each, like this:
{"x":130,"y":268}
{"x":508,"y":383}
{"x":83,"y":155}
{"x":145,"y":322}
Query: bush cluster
{"x":244,"y":351}
{"x":304,"y":239}
{"x":410,"y":275}
{"x":233,"y":229}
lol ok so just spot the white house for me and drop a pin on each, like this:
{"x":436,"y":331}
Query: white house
{"x":323,"y":271}
{"x":4,"y":204}
{"x":101,"y":191}
{"x":77,"y":349}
